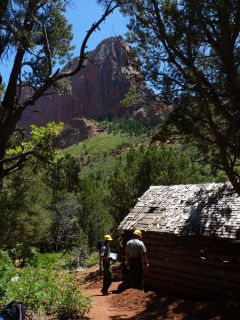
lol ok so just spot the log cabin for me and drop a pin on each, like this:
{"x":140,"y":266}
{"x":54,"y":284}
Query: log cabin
{"x":192,"y":235}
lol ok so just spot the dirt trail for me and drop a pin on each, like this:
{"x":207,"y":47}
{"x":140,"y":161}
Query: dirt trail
{"x":102,"y":308}
{"x":114,"y":306}
{"x":133,"y":304}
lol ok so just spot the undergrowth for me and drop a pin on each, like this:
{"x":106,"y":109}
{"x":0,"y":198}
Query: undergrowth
{"x":44,"y":287}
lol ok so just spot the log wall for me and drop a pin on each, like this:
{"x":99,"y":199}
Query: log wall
{"x":192,"y":265}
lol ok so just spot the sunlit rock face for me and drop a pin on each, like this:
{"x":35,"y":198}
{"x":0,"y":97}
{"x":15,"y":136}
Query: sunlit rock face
{"x":77,"y":130}
{"x":97,"y":90}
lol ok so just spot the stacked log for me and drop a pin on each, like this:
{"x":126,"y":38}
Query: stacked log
{"x":208,"y":267}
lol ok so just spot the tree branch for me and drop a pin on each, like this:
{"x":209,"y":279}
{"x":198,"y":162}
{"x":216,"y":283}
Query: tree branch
{"x":47,"y":51}
{"x":57,"y":76}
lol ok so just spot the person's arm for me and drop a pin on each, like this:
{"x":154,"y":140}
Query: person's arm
{"x":145,"y":261}
{"x":144,"y":257}
{"x":126,"y":255}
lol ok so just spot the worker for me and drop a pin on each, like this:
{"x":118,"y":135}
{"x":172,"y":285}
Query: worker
{"x":136,"y":260}
{"x":121,"y":245}
{"x":106,"y":261}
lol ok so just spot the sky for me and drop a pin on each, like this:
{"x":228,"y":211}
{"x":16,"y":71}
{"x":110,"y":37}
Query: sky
{"x":82,"y":14}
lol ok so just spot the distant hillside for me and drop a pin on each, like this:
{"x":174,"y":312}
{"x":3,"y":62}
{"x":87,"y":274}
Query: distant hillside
{"x":99,"y":154}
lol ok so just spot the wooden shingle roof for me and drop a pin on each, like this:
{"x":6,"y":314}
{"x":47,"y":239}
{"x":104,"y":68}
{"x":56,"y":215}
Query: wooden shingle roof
{"x":206,"y":209}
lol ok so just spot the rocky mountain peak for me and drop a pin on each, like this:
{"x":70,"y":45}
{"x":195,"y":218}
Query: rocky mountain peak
{"x":97,"y":90}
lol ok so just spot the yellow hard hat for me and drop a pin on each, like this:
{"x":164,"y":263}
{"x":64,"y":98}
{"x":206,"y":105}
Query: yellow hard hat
{"x":107,"y":237}
{"x":138,"y":233}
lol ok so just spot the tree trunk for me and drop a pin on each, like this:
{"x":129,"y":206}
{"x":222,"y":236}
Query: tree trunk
{"x":230,"y":172}
{"x":2,"y":155}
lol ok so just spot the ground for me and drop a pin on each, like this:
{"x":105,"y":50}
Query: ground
{"x":133,"y":304}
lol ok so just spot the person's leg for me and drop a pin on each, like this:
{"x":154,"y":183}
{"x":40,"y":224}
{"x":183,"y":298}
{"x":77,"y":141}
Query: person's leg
{"x":107,"y":277}
{"x":139,"y":276}
{"x":132,"y":272}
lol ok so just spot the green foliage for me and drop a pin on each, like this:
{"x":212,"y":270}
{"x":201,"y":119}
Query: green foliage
{"x":71,"y":303}
{"x":41,"y":288}
{"x":95,"y":154}
{"x":128,"y":127}
{"x":24,"y":217}
{"x":26,"y":197}
{"x":64,"y":231}
{"x":36,"y":148}
{"x":78,"y":219}
{"x":131,"y":98}
{"x":40,"y":141}
{"x":36,"y":288}
{"x":97,"y":145}
{"x":48,"y":260}
{"x":22,"y":253}
{"x":189,"y":52}
{"x":93,"y":260}
{"x":93,"y":216}
{"x":63,"y":173}
{"x":7,"y":272}
{"x":144,"y":167}
{"x":46,"y":291}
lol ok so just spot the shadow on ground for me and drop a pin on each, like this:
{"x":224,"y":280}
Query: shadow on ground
{"x":162,"y":307}
{"x":133,"y":304}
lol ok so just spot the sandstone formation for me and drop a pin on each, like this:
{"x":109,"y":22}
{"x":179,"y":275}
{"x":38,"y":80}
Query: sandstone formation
{"x":77,"y":130}
{"x":97,"y":90}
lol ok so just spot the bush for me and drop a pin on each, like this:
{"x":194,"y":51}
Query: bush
{"x":21,"y":254}
{"x":46,"y":291}
{"x":48,"y":260}
{"x":71,"y":303}
{"x":7,"y":272}
{"x":92,"y":260}
{"x":37,"y":289}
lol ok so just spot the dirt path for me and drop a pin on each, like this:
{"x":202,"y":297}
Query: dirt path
{"x":102,"y":308}
{"x":133,"y":304}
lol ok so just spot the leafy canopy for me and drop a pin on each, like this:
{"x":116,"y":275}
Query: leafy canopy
{"x":189,"y":51}
{"x":37,"y":36}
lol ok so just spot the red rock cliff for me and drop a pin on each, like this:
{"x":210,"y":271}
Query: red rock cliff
{"x":97,"y":90}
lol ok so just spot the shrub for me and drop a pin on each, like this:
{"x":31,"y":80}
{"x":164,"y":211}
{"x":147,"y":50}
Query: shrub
{"x":79,"y":255}
{"x":71,"y":303}
{"x":92,"y":260}
{"x":7,"y":271}
{"x":48,"y":260}
{"x":38,"y":289}
{"x":46,"y":291}
{"x":22,"y":253}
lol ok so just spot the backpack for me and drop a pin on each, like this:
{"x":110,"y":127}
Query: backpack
{"x":99,"y":246}
{"x":14,"y":311}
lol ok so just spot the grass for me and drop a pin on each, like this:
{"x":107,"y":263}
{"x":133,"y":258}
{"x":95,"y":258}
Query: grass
{"x":98,"y":145}
{"x":99,"y":155}
{"x":93,"y":260}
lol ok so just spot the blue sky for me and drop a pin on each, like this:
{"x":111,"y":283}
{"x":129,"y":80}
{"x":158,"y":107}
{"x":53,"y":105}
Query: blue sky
{"x":82,"y":14}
